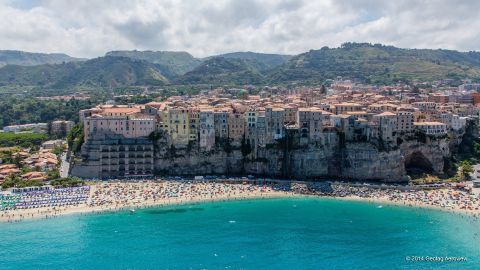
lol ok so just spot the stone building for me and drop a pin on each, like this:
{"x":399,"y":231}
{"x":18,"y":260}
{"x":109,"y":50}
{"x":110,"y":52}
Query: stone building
{"x":310,"y":123}
{"x":274,"y":121}
{"x":404,"y":121}
{"x":290,"y":115}
{"x":194,"y":120}
{"x":387,"y":123}
{"x":207,"y":129}
{"x":221,"y":124}
{"x":236,"y":126}
{"x":61,"y":127}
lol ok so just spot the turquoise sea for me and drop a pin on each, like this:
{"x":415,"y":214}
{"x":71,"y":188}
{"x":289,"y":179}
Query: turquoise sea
{"x":303,"y":233}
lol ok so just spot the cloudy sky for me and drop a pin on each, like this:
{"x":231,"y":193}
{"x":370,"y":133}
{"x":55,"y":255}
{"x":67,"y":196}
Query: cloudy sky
{"x":206,"y":27}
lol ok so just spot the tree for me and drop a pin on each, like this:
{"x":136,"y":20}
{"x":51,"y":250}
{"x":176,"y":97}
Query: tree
{"x":323,"y":90}
{"x":466,"y":169}
{"x":476,"y":149}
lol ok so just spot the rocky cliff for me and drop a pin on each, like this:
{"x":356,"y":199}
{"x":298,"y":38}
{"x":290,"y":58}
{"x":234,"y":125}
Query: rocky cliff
{"x":350,"y":160}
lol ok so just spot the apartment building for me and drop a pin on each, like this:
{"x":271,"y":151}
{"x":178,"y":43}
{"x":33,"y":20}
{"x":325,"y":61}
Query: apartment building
{"x":310,"y":122}
{"x":61,"y":127}
{"x":342,"y":108}
{"x":387,"y":124}
{"x":236,"y":126}
{"x":207,"y":129}
{"x":126,"y":126}
{"x":431,"y":128}
{"x":178,"y":125}
{"x":221,"y":124}
{"x":274,"y":120}
{"x":404,"y":121}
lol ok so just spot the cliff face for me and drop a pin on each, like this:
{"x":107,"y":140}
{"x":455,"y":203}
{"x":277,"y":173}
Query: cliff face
{"x":355,"y":160}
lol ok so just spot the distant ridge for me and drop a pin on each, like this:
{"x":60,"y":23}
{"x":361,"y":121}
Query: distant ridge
{"x":102,"y":72}
{"x":362,"y":62}
{"x":171,"y":63}
{"x":266,"y":59}
{"x":224,"y":71}
{"x":11,"y":57}
{"x":376,"y":63}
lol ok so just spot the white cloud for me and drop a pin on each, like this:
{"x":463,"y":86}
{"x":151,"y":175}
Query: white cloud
{"x":91,"y":28}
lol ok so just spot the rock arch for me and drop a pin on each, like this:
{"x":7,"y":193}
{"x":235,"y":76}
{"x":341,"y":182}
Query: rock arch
{"x":416,"y":162}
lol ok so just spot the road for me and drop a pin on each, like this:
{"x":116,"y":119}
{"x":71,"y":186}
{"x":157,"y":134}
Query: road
{"x":64,"y":166}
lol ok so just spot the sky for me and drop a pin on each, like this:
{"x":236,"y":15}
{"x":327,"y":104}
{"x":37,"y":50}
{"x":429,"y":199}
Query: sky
{"x":90,"y":28}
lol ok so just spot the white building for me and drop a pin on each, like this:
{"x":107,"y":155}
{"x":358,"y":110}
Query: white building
{"x":431,"y":128}
{"x":35,"y":127}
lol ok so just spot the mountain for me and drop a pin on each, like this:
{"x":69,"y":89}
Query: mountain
{"x":8,"y":57}
{"x":362,"y":62}
{"x":267,"y":61}
{"x":377,"y":64}
{"x":222,"y":71}
{"x":99,"y":72}
{"x":173,"y":64}
{"x":170,"y":63}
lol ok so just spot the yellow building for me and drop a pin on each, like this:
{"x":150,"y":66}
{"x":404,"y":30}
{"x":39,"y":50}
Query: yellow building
{"x":193,"y":115}
{"x":178,"y":125}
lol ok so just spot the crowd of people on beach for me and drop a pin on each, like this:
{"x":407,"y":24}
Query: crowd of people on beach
{"x":446,"y":198}
{"x":114,"y":195}
{"x":122,"y":194}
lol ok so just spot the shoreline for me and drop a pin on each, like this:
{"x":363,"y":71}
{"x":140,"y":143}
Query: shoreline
{"x":383,"y":201}
{"x":49,"y":212}
{"x":197,"y":194}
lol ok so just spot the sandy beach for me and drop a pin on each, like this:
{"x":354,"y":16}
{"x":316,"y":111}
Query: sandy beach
{"x":130,"y":196}
{"x":115,"y":196}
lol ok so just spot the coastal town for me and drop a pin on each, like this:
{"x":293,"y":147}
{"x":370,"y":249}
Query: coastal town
{"x":280,"y":134}
{"x":277,"y":132}
{"x":124,"y":143}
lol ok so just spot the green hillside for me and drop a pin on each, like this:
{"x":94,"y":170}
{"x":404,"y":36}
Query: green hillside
{"x":377,"y":64}
{"x":223,"y":71}
{"x":357,"y":61}
{"x":99,"y":72}
{"x":170,"y":63}
{"x":9,"y":57}
{"x":267,"y":61}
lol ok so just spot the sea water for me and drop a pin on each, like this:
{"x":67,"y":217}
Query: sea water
{"x":302,"y":233}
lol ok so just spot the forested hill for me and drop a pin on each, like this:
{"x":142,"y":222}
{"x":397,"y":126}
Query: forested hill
{"x":377,"y":64}
{"x":225,"y":71}
{"x":362,"y":62}
{"x":172,"y":63}
{"x":102,"y":72}
{"x":266,"y":60}
{"x":9,"y":57}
